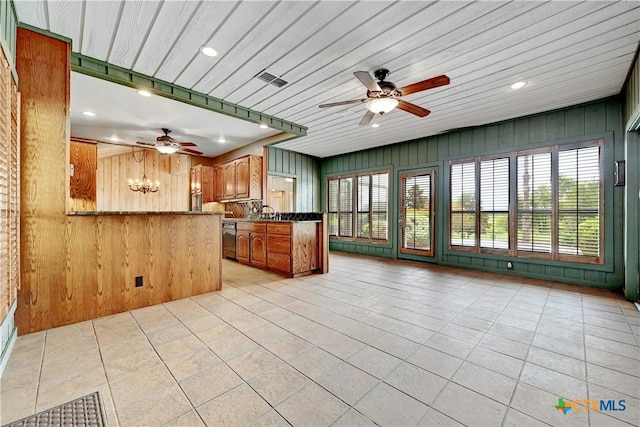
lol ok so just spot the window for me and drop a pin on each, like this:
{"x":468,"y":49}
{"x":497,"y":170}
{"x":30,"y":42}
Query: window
{"x":555,"y":199}
{"x":358,"y":206}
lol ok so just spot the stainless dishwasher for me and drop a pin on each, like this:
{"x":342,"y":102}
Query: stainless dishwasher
{"x":229,"y":239}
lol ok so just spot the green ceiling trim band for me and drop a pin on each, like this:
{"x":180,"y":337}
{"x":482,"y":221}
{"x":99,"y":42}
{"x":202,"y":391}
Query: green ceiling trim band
{"x":113,"y":73}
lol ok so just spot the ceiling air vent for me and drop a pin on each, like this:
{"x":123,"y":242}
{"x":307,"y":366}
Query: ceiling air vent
{"x":271,"y":79}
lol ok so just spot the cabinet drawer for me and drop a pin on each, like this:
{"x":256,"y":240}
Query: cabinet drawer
{"x":280,"y":262}
{"x":257,"y":227}
{"x":279,"y":244}
{"x":284,"y":228}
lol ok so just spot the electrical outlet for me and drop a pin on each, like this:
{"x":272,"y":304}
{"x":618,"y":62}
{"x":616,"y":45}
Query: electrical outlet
{"x":138,"y":281}
{"x":509,"y":265}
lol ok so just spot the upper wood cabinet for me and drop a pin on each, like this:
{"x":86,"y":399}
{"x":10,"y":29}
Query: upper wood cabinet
{"x":219,"y":187}
{"x":83,"y":158}
{"x":202,"y":182}
{"x":239,"y":179}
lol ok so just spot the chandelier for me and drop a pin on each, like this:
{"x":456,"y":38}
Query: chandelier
{"x":144,"y":185}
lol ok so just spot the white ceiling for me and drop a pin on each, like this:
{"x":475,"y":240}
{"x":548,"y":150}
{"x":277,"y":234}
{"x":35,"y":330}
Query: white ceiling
{"x":568,"y":52}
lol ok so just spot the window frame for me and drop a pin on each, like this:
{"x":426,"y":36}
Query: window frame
{"x":513,"y":211}
{"x":354,"y":205}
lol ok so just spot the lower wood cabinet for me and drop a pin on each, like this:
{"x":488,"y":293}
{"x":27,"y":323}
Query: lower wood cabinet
{"x":251,"y":244}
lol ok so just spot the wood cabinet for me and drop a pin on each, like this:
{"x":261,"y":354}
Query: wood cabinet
{"x":219,"y":183}
{"x":239,"y":179}
{"x":202,"y":182}
{"x":289,"y":248}
{"x":251,"y":243}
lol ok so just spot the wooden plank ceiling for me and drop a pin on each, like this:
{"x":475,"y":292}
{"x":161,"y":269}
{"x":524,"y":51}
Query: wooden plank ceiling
{"x":568,"y":52}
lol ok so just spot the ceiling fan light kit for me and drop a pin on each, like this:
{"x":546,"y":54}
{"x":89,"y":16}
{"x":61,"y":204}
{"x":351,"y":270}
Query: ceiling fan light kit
{"x":168,"y":145}
{"x":382,"y":105}
{"x":167,"y":149}
{"x":383,"y":96}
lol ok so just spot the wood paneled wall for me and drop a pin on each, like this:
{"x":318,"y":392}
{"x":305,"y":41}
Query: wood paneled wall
{"x":75,"y":268}
{"x":306,"y":169}
{"x":115,"y":171}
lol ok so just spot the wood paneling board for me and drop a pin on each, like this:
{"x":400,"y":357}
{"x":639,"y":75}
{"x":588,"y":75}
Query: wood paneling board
{"x":132,"y":31}
{"x":99,"y":26}
{"x":598,"y":118}
{"x":230,"y":32}
{"x":64,"y":17}
{"x":114,"y":172}
{"x":44,"y":178}
{"x":75,"y":268}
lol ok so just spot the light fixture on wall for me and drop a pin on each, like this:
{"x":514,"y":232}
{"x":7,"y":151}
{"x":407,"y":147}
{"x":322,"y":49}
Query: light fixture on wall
{"x":382,"y":105}
{"x":144,"y":185}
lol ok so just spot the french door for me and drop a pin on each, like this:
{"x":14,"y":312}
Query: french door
{"x":417,"y":214}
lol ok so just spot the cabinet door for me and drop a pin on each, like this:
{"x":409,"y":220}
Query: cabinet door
{"x":242,"y":246}
{"x":258,"y":250}
{"x":242,"y":178}
{"x":230,"y":180}
{"x":219,"y":193}
{"x":206,"y":182}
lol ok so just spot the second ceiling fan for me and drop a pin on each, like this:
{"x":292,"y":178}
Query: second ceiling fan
{"x":168,"y":145}
{"x":383,"y":96}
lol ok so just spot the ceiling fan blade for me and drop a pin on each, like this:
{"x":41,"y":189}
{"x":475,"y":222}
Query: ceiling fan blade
{"x":335,"y":104}
{"x":424,"y":85}
{"x":146,"y":143}
{"x":189,"y":150}
{"x":188,"y":144}
{"x":366,"y":119}
{"x":413,"y":108}
{"x":367,"y":80}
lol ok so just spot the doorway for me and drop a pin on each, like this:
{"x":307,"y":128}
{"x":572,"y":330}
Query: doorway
{"x":416,"y":214}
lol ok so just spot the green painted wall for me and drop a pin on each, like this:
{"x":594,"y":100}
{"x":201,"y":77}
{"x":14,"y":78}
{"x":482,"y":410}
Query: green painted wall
{"x":305,"y":169}
{"x":631,"y":94}
{"x":602,"y":119}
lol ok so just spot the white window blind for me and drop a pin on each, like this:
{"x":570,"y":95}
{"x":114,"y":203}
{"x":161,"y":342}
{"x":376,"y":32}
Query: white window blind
{"x":463,"y":204}
{"x":578,"y":201}
{"x":494,"y":203}
{"x":534,"y":203}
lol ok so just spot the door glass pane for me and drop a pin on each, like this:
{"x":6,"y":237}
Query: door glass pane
{"x":416,"y":200}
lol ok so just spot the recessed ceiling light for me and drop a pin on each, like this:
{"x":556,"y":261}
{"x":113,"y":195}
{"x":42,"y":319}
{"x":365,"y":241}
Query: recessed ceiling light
{"x":89,"y":113}
{"x":375,"y":125}
{"x":208,"y":51}
{"x":263,"y":126}
{"x":221,"y":140}
{"x":114,"y":139}
{"x":518,"y":85}
{"x":144,"y":93}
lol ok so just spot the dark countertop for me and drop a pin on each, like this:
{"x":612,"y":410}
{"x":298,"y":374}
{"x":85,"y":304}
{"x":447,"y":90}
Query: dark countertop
{"x":282,"y":217}
{"x":96,"y":213}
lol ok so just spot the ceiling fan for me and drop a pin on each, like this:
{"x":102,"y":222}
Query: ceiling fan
{"x":168,"y":145}
{"x":382,"y":96}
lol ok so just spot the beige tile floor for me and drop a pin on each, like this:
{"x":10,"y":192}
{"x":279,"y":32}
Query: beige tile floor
{"x":374,"y":342}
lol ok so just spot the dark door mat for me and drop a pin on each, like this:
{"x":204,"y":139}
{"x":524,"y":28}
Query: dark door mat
{"x":86,"y":411}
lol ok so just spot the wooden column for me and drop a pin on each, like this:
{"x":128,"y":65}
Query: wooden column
{"x":43,"y":68}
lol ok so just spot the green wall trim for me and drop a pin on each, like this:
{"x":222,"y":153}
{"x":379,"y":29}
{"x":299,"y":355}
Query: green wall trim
{"x":113,"y":73}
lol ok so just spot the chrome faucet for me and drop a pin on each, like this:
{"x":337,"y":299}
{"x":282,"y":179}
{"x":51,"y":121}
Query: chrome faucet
{"x":273,"y":215}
